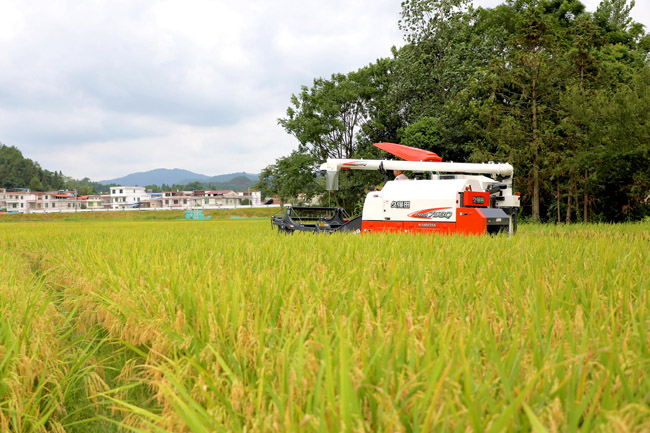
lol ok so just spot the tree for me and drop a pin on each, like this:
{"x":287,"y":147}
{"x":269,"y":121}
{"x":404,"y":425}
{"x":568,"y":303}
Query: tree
{"x":450,"y":48}
{"x":613,"y":16}
{"x":618,"y":126}
{"x":519,"y":115}
{"x":383,"y":121}
{"x":326,"y":118}
{"x":15,"y":170}
{"x":342,"y":116}
{"x":35,"y":184}
{"x":269,"y":182}
{"x":427,"y":134}
{"x":448,"y":45}
{"x":290,"y":177}
{"x":194,"y":186}
{"x":85,"y":190}
{"x":607,"y":60}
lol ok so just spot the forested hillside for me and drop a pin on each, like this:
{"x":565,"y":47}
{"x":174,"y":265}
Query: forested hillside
{"x":561,"y":93}
{"x":16,"y":171}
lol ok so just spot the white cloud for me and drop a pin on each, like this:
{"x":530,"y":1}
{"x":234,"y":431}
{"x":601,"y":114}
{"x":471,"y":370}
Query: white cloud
{"x":11,"y":21}
{"x":109,"y":87}
{"x":104,"y":88}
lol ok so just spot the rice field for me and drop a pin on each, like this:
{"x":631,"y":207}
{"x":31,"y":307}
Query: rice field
{"x":210,"y":326}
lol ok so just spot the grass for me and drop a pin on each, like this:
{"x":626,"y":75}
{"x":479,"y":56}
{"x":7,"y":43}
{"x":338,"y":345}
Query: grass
{"x":226,"y":326}
{"x":140,"y":215}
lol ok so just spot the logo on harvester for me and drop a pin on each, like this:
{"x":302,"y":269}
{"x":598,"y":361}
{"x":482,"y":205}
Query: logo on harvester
{"x":439,"y":212}
{"x":355,"y":164}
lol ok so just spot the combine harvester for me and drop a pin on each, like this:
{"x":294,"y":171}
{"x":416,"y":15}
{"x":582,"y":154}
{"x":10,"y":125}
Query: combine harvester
{"x":453,"y":198}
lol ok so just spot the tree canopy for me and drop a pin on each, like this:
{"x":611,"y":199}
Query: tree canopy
{"x":561,"y":93}
{"x":16,"y":171}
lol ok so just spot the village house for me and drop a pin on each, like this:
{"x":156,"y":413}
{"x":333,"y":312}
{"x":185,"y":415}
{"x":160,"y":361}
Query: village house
{"x":154,"y":202}
{"x":127,"y":196}
{"x":200,"y":198}
{"x":3,"y":199}
{"x":60,"y":200}
{"x":56,"y":200}
{"x":18,"y":201}
{"x":94,"y":202}
{"x":254,"y":197}
{"x":28,"y":201}
{"x":174,"y":200}
{"x":214,"y":198}
{"x":124,"y":197}
{"x":37,"y":203}
{"x":106,"y":201}
{"x":231,"y":198}
{"x":151,"y":204}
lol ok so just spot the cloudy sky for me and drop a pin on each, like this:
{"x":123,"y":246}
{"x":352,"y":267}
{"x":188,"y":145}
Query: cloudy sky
{"x":104,"y":88}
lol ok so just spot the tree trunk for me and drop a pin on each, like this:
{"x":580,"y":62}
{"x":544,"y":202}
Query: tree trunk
{"x":569,"y":203}
{"x":535,"y":156}
{"x":584,"y":203}
{"x":535,"y":186}
{"x":559,"y":219}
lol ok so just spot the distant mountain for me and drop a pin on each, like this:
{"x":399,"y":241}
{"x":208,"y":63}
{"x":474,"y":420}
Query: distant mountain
{"x":157,"y":177}
{"x":239,"y":183}
{"x":230,"y":177}
{"x":174,"y":176}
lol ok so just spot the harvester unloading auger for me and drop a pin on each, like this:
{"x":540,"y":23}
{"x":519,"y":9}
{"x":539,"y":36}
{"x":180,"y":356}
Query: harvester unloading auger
{"x":453,"y":198}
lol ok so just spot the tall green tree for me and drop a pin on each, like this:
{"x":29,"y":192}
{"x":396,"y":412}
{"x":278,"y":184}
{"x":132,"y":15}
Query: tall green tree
{"x":450,"y":47}
{"x":383,"y":121}
{"x":618,"y":125}
{"x":341,"y":118}
{"x":524,"y":88}
{"x":442,"y":52}
{"x":327,"y":117}
{"x":35,"y":184}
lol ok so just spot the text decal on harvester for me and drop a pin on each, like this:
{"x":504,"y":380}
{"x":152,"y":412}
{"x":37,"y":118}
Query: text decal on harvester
{"x":400,"y":205}
{"x":441,"y":212}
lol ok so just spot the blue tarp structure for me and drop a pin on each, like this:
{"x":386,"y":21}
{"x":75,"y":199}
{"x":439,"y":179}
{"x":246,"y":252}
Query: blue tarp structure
{"x":195,"y":214}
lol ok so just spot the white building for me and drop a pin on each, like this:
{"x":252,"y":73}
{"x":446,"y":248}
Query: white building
{"x":94,"y":202}
{"x":175,"y":200}
{"x":57,"y":200}
{"x":203,"y":199}
{"x":254,"y":197}
{"x":127,"y":196}
{"x":18,"y":201}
